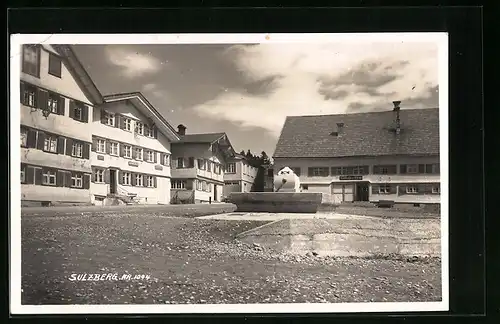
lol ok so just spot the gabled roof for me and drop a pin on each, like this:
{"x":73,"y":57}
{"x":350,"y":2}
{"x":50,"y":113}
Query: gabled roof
{"x":208,"y":138}
{"x":148,"y":110}
{"x":363,"y":134}
{"x":79,"y":73}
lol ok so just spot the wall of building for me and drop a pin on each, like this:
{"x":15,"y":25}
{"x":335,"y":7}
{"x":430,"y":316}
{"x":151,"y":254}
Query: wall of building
{"x":241,"y":180}
{"x":60,"y":125}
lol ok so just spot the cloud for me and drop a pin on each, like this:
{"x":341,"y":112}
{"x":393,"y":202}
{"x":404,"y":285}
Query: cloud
{"x":325,"y":79}
{"x":133,"y":64}
{"x":153,"y":89}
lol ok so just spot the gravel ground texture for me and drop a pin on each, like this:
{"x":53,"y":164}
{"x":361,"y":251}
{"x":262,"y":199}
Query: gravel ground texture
{"x":179,"y":260}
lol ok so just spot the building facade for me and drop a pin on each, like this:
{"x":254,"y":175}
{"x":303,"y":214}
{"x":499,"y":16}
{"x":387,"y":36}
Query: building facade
{"x":198,"y":167}
{"x":57,"y":100}
{"x":239,"y":175}
{"x":131,"y":152}
{"x":379,"y":156}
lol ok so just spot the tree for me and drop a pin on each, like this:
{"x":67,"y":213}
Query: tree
{"x":264,"y":159}
{"x":242,"y":152}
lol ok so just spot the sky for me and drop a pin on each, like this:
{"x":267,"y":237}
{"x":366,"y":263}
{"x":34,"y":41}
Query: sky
{"x":247,"y":90}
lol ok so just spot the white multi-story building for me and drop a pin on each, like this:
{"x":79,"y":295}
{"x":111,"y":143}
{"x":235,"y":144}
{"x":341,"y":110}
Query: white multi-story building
{"x":239,"y":175}
{"x":131,"y":152}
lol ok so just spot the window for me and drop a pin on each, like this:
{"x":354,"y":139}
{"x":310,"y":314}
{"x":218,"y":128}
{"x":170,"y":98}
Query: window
{"x":127,"y":151}
{"x":127,"y":124}
{"x":139,"y":178}
{"x":113,"y":147}
{"x":412,"y":168}
{"x":147,"y":131}
{"x":209,"y":166}
{"x":231,"y":168}
{"x":150,"y":181}
{"x":166,"y":159}
{"x":31,"y":60}
{"x":217,"y":168}
{"x":29,"y":96}
{"x":52,"y":102}
{"x":50,"y":144}
{"x":178,"y":184}
{"x":385,"y":169}
{"x":101,"y":146}
{"x":180,"y":163}
{"x":139,"y":128}
{"x":23,"y":174}
{"x":436,"y":189}
{"x":24,"y":137}
{"x":49,"y":178}
{"x":384,"y":189}
{"x":55,"y":65}
{"x":78,"y":112}
{"x":109,"y":118}
{"x":201,"y":164}
{"x":432,"y":168}
{"x":99,"y":176}
{"x":138,"y":153}
{"x":150,"y":156}
{"x":411,"y":189}
{"x":77,"y":180}
{"x":199,"y":185}
{"x":318,"y":172}
{"x":204,"y":186}
{"x":126,"y":178}
{"x":77,"y":149}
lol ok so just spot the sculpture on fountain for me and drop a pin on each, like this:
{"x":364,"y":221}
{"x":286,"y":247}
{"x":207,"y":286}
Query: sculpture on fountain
{"x":286,"y":181}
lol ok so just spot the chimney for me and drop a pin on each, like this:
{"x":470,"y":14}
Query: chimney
{"x":398,"y":120}
{"x":340,"y":129}
{"x":181,"y":130}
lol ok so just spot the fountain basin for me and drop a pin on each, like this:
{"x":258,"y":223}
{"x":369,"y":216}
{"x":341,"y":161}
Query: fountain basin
{"x":276,"y":202}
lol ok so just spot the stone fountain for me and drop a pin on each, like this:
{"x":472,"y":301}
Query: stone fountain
{"x":286,"y":197}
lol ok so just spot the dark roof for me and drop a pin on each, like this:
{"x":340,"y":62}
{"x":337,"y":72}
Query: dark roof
{"x":363,"y":134}
{"x":201,"y":138}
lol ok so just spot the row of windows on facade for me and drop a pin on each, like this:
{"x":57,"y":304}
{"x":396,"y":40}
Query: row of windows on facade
{"x":231,"y":167}
{"x":31,"y":61}
{"x":128,"y":124}
{"x":31,"y":138}
{"x":54,"y":177}
{"x":200,"y":185}
{"x":388,"y":189}
{"x":100,"y":175}
{"x":202,"y":164}
{"x":103,"y":146}
{"x":365,"y":169}
{"x":38,"y":98}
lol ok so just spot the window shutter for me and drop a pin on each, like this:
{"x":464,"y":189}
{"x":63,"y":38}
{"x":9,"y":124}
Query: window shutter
{"x":121,"y":150}
{"x":189,"y":184}
{"x":61,"y":108}
{"x":122,"y":122}
{"x":155,"y":156}
{"x":30,"y":175}
{"x":22,"y":93}
{"x":421,"y":168}
{"x":133,"y":180}
{"x":162,"y":158}
{"x":60,"y":178}
{"x":402,"y":168}
{"x":402,"y":189}
{"x":106,"y":176}
{"x":69,"y":146}
{"x":108,"y":147}
{"x":94,"y":144}
{"x":67,"y":179}
{"x":60,"y":145}
{"x":428,"y":168}
{"x":72,"y":109}
{"x":155,"y":132}
{"x":31,"y":139}
{"x":38,"y":176}
{"x":103,"y":116}
{"x":310,"y":172}
{"x":134,"y":153}
{"x":155,"y":180}
{"x":118,"y":121}
{"x":393,"y":189}
{"x":85,"y":113}
{"x":42,"y":99}
{"x":86,"y":151}
{"x":437,"y":168}
{"x":40,"y":140}
{"x":145,"y":180}
{"x":120,"y":179}
{"x":191,"y":162}
{"x":94,"y":175}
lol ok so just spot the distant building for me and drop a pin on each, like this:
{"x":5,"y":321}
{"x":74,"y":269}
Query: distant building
{"x":239,"y":175}
{"x":198,"y":166}
{"x":131,"y":151}
{"x":389,"y":155}
{"x":57,"y":99}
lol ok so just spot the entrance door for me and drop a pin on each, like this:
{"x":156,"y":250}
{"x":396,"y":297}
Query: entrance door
{"x":362,"y":193}
{"x":112,"y":181}
{"x":215,"y":192}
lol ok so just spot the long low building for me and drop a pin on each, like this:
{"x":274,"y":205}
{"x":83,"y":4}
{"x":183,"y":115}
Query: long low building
{"x":387,"y":155}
